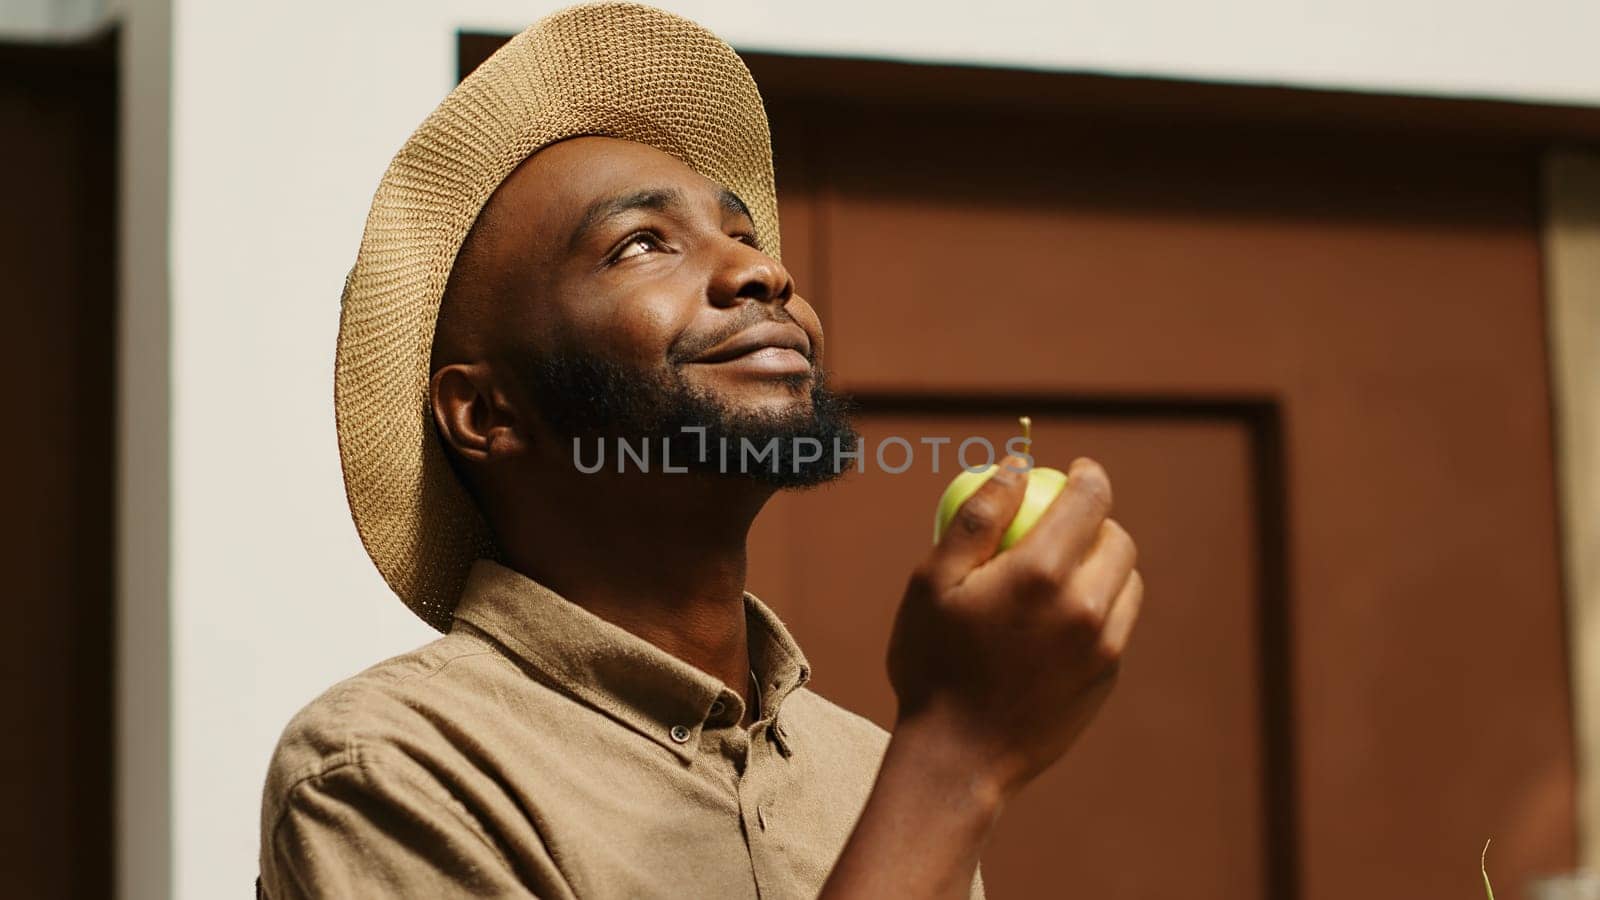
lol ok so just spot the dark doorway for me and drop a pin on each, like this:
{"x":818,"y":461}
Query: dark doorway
{"x":58,"y":161}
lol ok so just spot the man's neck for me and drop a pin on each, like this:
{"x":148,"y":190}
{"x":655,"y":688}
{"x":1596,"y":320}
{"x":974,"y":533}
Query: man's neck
{"x":662,"y":557}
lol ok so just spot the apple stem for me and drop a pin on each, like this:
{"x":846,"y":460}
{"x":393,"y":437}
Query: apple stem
{"x":1027,"y":434}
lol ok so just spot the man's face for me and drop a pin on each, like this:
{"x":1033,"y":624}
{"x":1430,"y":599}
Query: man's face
{"x":631,"y":299}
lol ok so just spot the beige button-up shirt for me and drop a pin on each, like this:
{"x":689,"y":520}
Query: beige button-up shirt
{"x":538,"y":750}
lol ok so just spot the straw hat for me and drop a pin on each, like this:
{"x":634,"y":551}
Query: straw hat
{"x":622,"y":70}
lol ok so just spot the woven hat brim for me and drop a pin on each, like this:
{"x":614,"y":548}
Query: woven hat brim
{"x":621,"y":70}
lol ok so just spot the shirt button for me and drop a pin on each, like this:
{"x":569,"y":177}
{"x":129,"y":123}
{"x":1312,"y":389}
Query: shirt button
{"x":717,"y":707}
{"x":680,"y":733}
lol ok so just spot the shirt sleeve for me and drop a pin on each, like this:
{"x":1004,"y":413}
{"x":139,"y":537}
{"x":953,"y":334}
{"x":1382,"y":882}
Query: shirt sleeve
{"x":380,"y":826}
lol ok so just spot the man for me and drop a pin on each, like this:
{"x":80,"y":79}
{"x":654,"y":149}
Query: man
{"x":581,"y":245}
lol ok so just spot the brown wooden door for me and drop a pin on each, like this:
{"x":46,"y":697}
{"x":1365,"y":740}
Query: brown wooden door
{"x":1313,"y":362}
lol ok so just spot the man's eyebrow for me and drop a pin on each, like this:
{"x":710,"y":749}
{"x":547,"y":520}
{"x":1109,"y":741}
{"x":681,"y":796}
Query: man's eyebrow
{"x":731,"y":202}
{"x":659,"y":199}
{"x":610,"y":207}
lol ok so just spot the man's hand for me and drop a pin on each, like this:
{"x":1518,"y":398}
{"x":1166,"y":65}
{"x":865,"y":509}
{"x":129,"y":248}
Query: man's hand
{"x":1008,"y":657}
{"x":999,"y":662}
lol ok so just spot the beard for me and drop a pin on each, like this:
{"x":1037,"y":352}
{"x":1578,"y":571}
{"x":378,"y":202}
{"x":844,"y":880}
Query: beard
{"x":582,"y":396}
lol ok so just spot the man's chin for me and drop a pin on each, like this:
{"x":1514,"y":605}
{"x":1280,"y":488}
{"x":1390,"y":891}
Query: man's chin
{"x":777,"y":439}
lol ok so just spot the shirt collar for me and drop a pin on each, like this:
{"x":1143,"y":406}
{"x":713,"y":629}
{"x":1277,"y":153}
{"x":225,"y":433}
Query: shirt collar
{"x":620,"y":673}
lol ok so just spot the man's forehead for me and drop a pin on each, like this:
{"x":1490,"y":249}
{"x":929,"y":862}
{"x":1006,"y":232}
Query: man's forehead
{"x":573,"y":183}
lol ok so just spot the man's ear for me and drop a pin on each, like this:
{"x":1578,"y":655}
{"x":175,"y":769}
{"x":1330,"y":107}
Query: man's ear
{"x":472,"y":415}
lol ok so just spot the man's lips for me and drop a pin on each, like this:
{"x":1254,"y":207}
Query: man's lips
{"x":775,"y":341}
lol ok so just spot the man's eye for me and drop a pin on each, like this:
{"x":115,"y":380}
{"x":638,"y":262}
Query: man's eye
{"x":636,"y":244}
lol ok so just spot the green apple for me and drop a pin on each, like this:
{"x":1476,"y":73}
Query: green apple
{"x":1043,"y":486}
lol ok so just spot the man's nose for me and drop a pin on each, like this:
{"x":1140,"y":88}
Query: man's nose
{"x":746,"y":273}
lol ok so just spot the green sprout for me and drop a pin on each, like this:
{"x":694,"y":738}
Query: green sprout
{"x":1483,"y":866}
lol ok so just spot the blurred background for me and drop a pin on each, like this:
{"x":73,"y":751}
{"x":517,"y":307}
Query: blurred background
{"x":1319,"y":283}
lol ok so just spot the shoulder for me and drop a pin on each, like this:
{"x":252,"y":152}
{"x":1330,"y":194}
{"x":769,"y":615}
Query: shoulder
{"x":361,"y":788}
{"x":399,"y":707}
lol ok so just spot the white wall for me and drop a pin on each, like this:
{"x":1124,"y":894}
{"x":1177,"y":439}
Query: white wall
{"x":283,"y":116}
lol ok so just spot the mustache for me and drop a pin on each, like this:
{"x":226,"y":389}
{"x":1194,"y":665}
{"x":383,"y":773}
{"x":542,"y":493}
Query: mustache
{"x":684,"y":350}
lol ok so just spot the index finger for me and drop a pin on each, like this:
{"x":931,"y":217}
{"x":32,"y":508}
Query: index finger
{"x":1069,"y":525}
{"x":975,"y":531}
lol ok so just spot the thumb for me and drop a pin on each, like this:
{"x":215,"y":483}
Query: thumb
{"x":974,"y":532}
